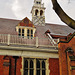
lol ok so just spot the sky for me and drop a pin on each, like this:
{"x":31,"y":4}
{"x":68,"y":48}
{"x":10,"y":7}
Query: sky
{"x":19,"y":9}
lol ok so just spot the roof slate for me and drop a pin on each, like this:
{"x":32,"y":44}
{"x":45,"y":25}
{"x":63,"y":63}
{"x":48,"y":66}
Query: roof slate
{"x":8,"y":26}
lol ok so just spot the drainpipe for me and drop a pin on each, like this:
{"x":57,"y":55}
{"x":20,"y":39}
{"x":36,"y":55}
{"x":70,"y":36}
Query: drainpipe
{"x":15,"y":57}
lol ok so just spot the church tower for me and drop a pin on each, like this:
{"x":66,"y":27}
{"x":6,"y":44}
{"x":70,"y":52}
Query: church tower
{"x":38,"y":13}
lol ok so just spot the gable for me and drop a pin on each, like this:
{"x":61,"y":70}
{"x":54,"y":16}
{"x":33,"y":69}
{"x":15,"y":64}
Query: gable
{"x":26,"y":22}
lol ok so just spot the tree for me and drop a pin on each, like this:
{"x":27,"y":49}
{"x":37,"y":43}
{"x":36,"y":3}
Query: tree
{"x":63,"y":16}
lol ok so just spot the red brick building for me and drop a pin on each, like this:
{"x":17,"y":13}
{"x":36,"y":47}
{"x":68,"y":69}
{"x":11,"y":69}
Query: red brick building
{"x":30,"y":47}
{"x":67,"y":55}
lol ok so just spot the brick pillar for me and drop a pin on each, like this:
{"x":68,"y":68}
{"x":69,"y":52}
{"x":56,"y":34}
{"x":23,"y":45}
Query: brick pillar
{"x":6,"y":67}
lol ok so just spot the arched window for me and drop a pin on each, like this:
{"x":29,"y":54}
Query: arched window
{"x":43,"y":64}
{"x":37,"y":67}
{"x":26,"y":64}
{"x":36,"y":12}
{"x":41,"y":12}
{"x":43,"y":68}
{"x":38,"y":64}
{"x":26,"y":67}
{"x":32,"y":65}
{"x":29,"y":33}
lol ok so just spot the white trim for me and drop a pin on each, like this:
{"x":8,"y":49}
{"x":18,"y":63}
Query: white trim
{"x":51,"y":39}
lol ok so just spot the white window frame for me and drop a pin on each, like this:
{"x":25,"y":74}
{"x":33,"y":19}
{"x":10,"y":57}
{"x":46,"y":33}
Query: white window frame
{"x":21,"y":32}
{"x":30,"y":33}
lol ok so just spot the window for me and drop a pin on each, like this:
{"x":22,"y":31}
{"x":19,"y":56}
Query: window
{"x":39,"y":66}
{"x":41,"y":12}
{"x":36,"y":12}
{"x":28,"y":67}
{"x":38,"y":2}
{"x":21,"y":32}
{"x":29,"y":33}
{"x":26,"y":32}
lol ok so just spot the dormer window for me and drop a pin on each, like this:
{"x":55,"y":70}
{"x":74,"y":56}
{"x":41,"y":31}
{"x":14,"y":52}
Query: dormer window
{"x":26,"y":29}
{"x":29,"y":33}
{"x":26,"y":33}
{"x":21,"y":32}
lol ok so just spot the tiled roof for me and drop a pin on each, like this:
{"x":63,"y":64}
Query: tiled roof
{"x":54,"y":29}
{"x":8,"y":26}
{"x":59,"y":29}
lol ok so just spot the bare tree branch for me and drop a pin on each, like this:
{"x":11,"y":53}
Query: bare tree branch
{"x":63,"y":16}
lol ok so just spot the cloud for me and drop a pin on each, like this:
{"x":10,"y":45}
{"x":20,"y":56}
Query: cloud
{"x":5,"y":9}
{"x":22,"y":8}
{"x":19,"y":9}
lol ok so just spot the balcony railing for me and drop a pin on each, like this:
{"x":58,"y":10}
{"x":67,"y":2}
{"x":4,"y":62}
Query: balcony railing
{"x":17,"y":40}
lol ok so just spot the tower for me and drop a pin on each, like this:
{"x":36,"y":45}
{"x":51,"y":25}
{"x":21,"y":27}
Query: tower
{"x":38,"y":13}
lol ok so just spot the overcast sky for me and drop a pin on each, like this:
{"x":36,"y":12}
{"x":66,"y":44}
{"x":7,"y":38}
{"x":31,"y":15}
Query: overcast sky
{"x":19,"y":9}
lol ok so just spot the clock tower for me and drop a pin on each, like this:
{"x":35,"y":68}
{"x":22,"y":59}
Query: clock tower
{"x":38,"y":13}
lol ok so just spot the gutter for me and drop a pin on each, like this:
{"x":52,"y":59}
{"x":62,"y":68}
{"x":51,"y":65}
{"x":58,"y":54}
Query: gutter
{"x":48,"y":50}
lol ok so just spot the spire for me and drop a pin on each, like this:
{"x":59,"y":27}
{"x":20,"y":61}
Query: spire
{"x":38,"y":10}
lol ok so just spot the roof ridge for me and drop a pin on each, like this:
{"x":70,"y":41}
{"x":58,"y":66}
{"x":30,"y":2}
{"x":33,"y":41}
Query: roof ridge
{"x":10,"y":19}
{"x":55,"y":24}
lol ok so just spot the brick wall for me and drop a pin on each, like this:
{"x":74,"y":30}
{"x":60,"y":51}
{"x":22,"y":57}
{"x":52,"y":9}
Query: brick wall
{"x":1,"y":65}
{"x":5,"y":68}
{"x":67,"y":49}
{"x":54,"y":66}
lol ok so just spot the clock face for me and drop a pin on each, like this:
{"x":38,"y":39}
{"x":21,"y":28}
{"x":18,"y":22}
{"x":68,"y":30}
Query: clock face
{"x":39,"y":21}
